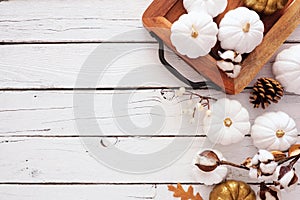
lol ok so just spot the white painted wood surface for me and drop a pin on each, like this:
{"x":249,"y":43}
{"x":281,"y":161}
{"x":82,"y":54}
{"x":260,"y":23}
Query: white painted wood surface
{"x":94,"y":192}
{"x":65,"y":160}
{"x":75,"y":21}
{"x":71,"y":20}
{"x":44,"y":45}
{"x":33,"y":66}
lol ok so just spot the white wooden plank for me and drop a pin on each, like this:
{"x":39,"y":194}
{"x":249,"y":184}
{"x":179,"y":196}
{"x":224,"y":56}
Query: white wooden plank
{"x":295,"y":36}
{"x":52,"y":113}
{"x":83,"y":192}
{"x":58,"y":66}
{"x":35,"y":160}
{"x":67,"y":160}
{"x":69,"y":21}
{"x":49,"y":113}
{"x":116,"y":192}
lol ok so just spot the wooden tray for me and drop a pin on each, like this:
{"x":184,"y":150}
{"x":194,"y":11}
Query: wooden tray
{"x":160,"y":15}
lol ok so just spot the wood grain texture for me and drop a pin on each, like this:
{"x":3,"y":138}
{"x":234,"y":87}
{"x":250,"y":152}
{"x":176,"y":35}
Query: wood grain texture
{"x":52,"y":113}
{"x":66,"y":160}
{"x":57,"y":66}
{"x":111,"y":192}
{"x":69,"y":21}
{"x":33,"y":66}
{"x":75,"y":21}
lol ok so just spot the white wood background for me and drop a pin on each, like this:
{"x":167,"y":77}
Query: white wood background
{"x":43,"y":46}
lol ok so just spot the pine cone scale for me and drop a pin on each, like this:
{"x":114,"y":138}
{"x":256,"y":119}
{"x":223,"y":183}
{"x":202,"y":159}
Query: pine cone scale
{"x":266,"y":91}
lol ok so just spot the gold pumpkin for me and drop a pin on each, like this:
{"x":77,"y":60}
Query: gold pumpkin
{"x":232,"y":190}
{"x":266,"y":6}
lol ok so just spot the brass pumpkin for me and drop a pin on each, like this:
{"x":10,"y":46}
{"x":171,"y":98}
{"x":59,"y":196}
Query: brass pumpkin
{"x":268,"y":7}
{"x":232,"y":190}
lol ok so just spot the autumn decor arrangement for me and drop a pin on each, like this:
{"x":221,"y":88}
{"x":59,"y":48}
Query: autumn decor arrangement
{"x":200,"y":31}
{"x":228,"y":41}
{"x":263,"y":166}
{"x":226,"y":122}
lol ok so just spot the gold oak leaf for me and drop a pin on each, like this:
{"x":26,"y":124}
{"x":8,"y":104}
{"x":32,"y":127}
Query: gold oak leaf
{"x":179,"y":192}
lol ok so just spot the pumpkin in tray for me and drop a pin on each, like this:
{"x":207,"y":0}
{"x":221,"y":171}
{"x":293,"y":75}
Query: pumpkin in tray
{"x":213,"y":8}
{"x":241,"y":30}
{"x":259,"y":36}
{"x":268,"y":7}
{"x":194,"y":34}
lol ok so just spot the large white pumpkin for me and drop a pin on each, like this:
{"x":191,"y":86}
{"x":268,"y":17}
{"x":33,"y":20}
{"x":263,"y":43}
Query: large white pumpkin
{"x":241,"y":30}
{"x":228,"y":122}
{"x":212,"y":7}
{"x":274,"y":131}
{"x":194,"y":34}
{"x":287,"y":69}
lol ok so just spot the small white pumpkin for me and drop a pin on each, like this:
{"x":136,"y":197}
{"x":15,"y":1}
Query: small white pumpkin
{"x":228,"y":122}
{"x":212,"y":7}
{"x":287,"y":69}
{"x":241,"y":30}
{"x":194,"y":34}
{"x":274,"y":131}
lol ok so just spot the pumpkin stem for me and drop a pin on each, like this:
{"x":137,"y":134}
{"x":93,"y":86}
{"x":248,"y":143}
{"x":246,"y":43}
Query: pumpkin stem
{"x":227,"y":122}
{"x":246,"y":27}
{"x":195,"y":33}
{"x":280,"y":133}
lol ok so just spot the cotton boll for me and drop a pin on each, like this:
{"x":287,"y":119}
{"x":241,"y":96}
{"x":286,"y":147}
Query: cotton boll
{"x":286,"y":177}
{"x":206,"y":169}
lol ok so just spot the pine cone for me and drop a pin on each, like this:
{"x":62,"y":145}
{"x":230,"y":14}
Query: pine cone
{"x":266,"y":91}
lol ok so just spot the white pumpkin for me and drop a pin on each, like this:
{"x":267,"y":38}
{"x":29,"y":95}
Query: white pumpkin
{"x":287,"y":69}
{"x":212,"y":7}
{"x":241,"y":30}
{"x":194,"y":34}
{"x":228,"y":122}
{"x":274,"y":131}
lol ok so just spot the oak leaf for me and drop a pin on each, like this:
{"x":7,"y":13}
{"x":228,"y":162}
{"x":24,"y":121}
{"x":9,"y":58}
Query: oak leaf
{"x":179,"y":192}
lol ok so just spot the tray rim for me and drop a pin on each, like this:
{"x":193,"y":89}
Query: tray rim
{"x":154,"y":20}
